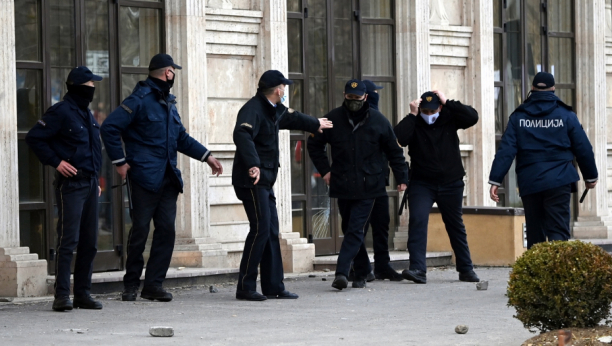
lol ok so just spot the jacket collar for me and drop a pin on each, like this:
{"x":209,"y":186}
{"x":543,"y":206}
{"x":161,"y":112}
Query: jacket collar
{"x":73,"y":105}
{"x":151,"y":84}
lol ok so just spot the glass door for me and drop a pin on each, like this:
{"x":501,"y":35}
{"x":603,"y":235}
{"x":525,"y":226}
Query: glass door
{"x":331,"y":42}
{"x":52,"y":37}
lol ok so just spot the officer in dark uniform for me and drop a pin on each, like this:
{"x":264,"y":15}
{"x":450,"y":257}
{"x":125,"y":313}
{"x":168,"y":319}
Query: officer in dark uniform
{"x":380,"y":218}
{"x":68,"y":139}
{"x":430,"y":132}
{"x":544,"y":135}
{"x":254,"y":173}
{"x":356,"y":177}
{"x":151,"y":128}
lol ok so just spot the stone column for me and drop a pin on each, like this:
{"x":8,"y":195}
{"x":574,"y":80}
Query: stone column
{"x":185,"y":42}
{"x":480,"y":77}
{"x":593,"y":219}
{"x":22,"y":274}
{"x":413,"y":72}
{"x":298,"y":254}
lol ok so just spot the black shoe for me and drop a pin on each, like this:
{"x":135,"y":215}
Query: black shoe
{"x":62,"y":303}
{"x":371,"y":277}
{"x":282,"y":295}
{"x":340,"y":282}
{"x":86,"y":302}
{"x":359,"y":283}
{"x":389,"y":274}
{"x":469,"y":277}
{"x":156,"y":293}
{"x":418,"y":276}
{"x":250,"y":295}
{"x":129,"y":294}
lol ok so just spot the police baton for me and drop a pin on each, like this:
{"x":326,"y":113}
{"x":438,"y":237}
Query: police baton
{"x":404,"y":204}
{"x":128,"y":186}
{"x":584,"y":195}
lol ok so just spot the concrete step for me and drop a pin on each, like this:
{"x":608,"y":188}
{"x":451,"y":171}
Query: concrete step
{"x":400,"y":260}
{"x":14,"y":251}
{"x":108,"y":282}
{"x":21,"y":257}
{"x":605,"y":244}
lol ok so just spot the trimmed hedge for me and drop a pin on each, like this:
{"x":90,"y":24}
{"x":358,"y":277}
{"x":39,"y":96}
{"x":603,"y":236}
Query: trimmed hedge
{"x":561,"y":284}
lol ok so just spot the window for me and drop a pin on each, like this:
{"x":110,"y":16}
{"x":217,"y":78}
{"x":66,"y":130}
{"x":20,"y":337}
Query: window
{"x":529,"y":36}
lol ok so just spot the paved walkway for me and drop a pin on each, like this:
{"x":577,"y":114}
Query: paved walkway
{"x":385,"y":313}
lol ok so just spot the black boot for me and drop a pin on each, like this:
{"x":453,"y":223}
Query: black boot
{"x":156,"y":293}
{"x":86,"y":302}
{"x":129,"y":294}
{"x":62,"y":303}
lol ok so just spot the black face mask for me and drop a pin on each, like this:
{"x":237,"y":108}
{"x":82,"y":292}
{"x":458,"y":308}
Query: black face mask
{"x":82,"y":94}
{"x":353,"y":105}
{"x":171,"y":81}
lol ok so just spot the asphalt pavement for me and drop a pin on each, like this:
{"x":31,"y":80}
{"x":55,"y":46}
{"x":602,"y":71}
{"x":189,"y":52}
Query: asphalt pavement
{"x":384,"y":313}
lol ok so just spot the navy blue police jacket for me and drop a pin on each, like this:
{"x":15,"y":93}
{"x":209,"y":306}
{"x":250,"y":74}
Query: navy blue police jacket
{"x":67,"y":132}
{"x":151,"y":128}
{"x":544,"y":135}
{"x":358,"y":169}
{"x":435,"y":156}
{"x":256,"y":139}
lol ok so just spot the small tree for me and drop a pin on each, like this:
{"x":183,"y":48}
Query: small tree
{"x":561,"y":284}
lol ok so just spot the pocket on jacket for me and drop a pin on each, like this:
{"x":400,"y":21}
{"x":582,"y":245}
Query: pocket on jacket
{"x":373,"y":176}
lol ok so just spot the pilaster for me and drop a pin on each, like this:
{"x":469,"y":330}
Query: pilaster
{"x":185,"y":42}
{"x":593,"y":218}
{"x":480,"y":76}
{"x":413,"y":71}
{"x":22,"y":274}
{"x":297,"y":253}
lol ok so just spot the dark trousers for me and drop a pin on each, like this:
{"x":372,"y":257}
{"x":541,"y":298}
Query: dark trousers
{"x":161,"y":207}
{"x":379,"y":220}
{"x":449,"y":197}
{"x":547,"y":215}
{"x":77,"y":227}
{"x":262,"y":247}
{"x":355,"y":215}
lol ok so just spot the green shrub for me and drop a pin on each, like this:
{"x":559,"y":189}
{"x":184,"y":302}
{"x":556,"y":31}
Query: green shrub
{"x":561,"y":284}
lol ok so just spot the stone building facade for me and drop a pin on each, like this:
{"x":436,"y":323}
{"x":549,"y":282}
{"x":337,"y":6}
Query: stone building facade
{"x":481,"y":52}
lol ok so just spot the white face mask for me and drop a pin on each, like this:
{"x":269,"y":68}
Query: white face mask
{"x":430,"y":119}
{"x":284,"y":97}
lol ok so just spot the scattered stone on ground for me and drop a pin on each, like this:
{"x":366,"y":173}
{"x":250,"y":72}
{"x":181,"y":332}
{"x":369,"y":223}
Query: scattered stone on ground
{"x":461,"y":329}
{"x":580,"y":337}
{"x":482,"y":285}
{"x":323,"y":279}
{"x":326,"y":270}
{"x":161,"y":331}
{"x":312,"y":276}
{"x":212,"y":289}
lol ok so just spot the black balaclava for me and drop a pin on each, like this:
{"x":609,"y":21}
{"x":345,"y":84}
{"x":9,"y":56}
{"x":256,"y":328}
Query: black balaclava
{"x":373,"y":98}
{"x":81,"y":94}
{"x":162,"y":84}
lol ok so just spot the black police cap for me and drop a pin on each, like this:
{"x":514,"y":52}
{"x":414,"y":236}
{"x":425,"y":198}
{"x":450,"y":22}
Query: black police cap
{"x":80,"y":75}
{"x":430,"y":100}
{"x":161,"y":61}
{"x":355,"y":87}
{"x":370,"y":86}
{"x":543,"y":80}
{"x":273,"y":78}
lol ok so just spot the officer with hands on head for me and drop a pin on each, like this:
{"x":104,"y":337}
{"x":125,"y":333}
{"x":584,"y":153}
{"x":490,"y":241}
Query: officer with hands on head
{"x":254,"y":173}
{"x":544,"y":135}
{"x":436,"y":176}
{"x":151,"y":128}
{"x":68,"y":138}
{"x":357,"y":174}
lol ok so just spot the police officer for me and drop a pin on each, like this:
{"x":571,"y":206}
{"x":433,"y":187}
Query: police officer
{"x":356,"y":176}
{"x":68,"y":139}
{"x":254,"y":173}
{"x":151,"y":128}
{"x":430,"y":132}
{"x":544,"y":135}
{"x":380,"y":218}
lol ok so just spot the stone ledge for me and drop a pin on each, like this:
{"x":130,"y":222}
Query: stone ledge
{"x":393,"y":255}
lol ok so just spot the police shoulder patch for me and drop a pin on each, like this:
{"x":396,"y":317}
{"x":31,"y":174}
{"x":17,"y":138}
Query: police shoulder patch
{"x":247,"y":125}
{"x":127,"y":109}
{"x":42,"y":123}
